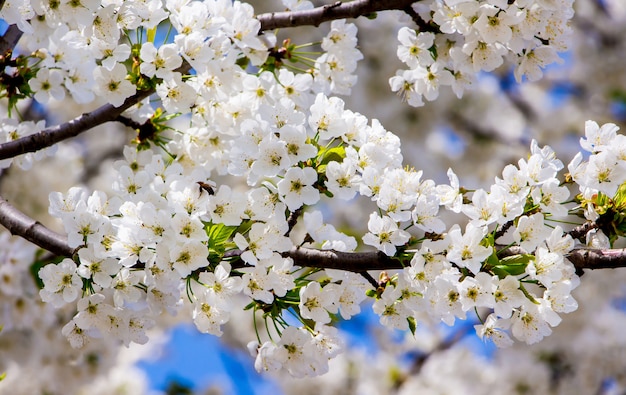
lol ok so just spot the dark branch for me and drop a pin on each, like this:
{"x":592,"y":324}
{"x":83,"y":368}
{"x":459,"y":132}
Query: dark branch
{"x":293,"y":219}
{"x":500,"y":232}
{"x":422,"y":25}
{"x":73,"y":128}
{"x":589,"y":258}
{"x":370,"y":279}
{"x":22,"y":225}
{"x":9,"y":39}
{"x":76,"y":126}
{"x":580,"y":232}
{"x":338,"y":10}
{"x":350,"y":261}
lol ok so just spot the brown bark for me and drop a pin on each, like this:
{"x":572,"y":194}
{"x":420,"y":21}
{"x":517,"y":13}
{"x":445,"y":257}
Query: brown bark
{"x":329,"y":12}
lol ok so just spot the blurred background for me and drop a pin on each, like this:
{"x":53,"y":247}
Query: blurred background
{"x":491,"y":126}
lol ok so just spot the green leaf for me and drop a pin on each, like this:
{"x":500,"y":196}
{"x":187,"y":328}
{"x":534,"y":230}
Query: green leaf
{"x":326,"y":155}
{"x":3,"y":375}
{"x":219,"y":234}
{"x":412,"y":324}
{"x":493,"y":259}
{"x":501,"y":273}
{"x":243,"y":62}
{"x":519,"y":258}
{"x":514,"y":265}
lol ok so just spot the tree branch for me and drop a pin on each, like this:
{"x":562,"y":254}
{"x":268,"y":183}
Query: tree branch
{"x":9,"y":39}
{"x":590,"y":258}
{"x":22,"y":225}
{"x":423,"y":25}
{"x":76,"y":126}
{"x":350,"y":261}
{"x":581,"y":258}
{"x":73,"y":128}
{"x":329,"y":12}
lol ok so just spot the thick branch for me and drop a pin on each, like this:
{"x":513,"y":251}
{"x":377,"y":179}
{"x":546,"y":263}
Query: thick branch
{"x":582,"y":258}
{"x":330,"y":259}
{"x":338,"y":10}
{"x":350,"y":261}
{"x":22,"y":225}
{"x":587,"y":258}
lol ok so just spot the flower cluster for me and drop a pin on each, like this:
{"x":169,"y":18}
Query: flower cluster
{"x":476,"y":269}
{"x":30,"y":332}
{"x":458,"y":39}
{"x":202,"y":210}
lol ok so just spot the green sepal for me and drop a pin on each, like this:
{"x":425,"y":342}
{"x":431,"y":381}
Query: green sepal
{"x":412,"y":324}
{"x":489,"y":240}
{"x":528,"y":295}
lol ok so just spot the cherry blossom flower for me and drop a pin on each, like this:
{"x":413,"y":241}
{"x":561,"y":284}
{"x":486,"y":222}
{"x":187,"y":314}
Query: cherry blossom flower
{"x":465,"y":249}
{"x":316,"y":302}
{"x":494,"y":330}
{"x":112,"y":84}
{"x":384,"y":234}
{"x":296,"y":187}
{"x":61,"y":283}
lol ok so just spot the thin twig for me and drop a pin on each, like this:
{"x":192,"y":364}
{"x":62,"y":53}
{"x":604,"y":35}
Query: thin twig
{"x":293,"y":219}
{"x":370,"y":279}
{"x":443,"y":345}
{"x":422,"y":25}
{"x":580,"y":232}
